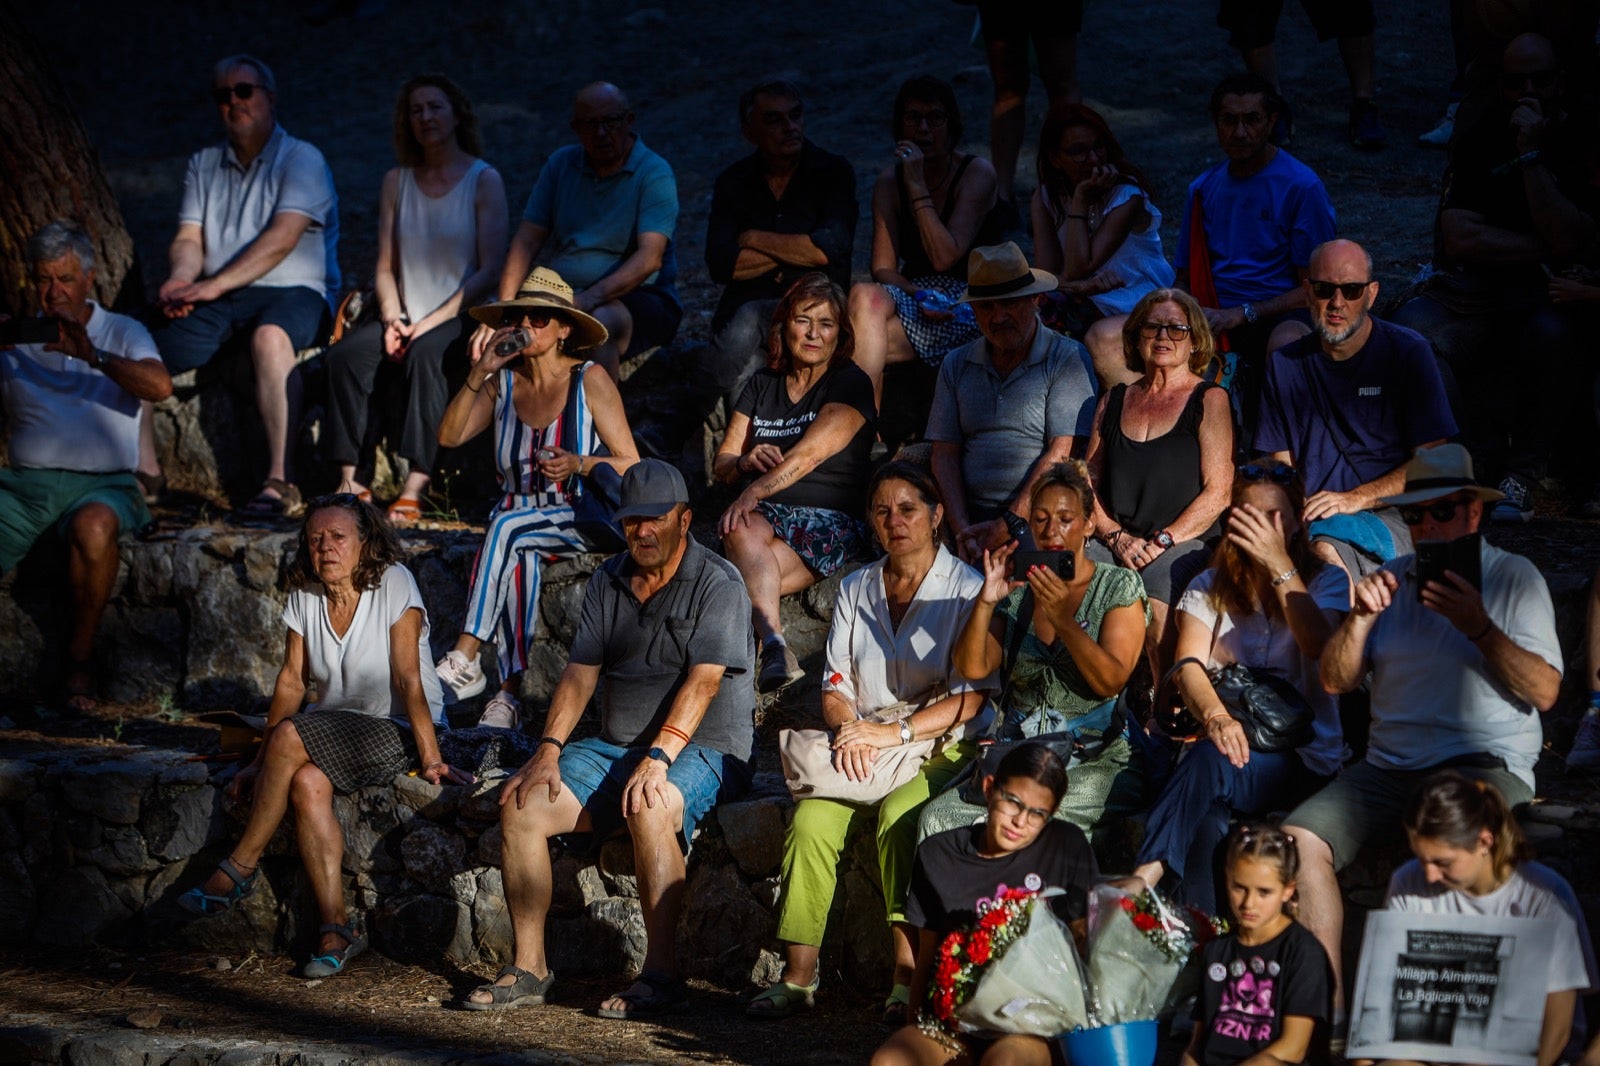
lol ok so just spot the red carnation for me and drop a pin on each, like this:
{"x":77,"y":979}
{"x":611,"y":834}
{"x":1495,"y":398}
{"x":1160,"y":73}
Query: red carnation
{"x":993,"y":920}
{"x":1126,"y":902}
{"x":1145,"y":922}
{"x":951,"y":945}
{"x":980,"y":947}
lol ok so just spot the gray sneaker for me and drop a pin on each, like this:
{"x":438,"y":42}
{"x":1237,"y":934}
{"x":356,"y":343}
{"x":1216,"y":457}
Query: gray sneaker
{"x":1516,"y":507}
{"x":779,"y":667}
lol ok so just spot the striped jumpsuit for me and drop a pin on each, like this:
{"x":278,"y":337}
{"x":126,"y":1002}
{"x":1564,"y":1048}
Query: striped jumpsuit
{"x":532,"y":520}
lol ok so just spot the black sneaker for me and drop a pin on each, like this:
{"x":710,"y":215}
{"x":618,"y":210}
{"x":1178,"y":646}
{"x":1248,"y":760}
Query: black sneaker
{"x":1366,"y":129}
{"x":1516,"y":507}
{"x":779,"y":668}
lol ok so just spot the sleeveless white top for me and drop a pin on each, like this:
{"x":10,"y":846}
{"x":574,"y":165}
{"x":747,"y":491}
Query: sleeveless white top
{"x":437,"y":240}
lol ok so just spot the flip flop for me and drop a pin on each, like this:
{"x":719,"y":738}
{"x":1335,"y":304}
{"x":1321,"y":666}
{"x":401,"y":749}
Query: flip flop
{"x":288,"y":503}
{"x":199,"y":902}
{"x":782,"y":998}
{"x":663,"y":993}
{"x":331,"y":962}
{"x":405,"y":511}
{"x":526,"y":991}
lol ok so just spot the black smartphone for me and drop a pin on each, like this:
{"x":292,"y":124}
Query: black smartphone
{"x":1064,"y":564}
{"x":1462,"y":555}
{"x":29,"y":330}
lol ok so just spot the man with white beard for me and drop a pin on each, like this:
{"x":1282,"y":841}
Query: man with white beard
{"x":1347,"y":405}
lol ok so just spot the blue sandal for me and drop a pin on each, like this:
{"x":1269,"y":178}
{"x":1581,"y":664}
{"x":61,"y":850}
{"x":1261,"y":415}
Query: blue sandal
{"x":198,"y":901}
{"x":331,"y":962}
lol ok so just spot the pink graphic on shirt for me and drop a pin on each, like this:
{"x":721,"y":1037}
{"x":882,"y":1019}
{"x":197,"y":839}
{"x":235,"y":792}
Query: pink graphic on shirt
{"x":1245,"y":1012}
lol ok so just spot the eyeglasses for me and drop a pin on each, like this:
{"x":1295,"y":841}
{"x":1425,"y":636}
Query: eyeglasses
{"x":603,"y":124}
{"x":1174,"y":330}
{"x":1442,"y":511}
{"x":1080,"y":153}
{"x":1350,"y":290}
{"x":244,"y":90}
{"x":1010,"y":806}
{"x":934,"y":119}
{"x":347,"y":500}
{"x":1277,"y":473}
{"x":1537,"y":79}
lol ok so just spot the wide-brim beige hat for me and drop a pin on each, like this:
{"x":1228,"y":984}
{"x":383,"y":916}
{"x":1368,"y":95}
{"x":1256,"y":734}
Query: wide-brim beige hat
{"x":1001,"y":272}
{"x":545,"y":288}
{"x":1433,"y":473}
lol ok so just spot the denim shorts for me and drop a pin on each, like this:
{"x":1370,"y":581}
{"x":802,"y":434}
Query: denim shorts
{"x":597,"y":771}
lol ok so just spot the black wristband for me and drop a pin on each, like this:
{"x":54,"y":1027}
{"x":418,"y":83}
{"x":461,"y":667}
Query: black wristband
{"x":560,"y":744}
{"x":1487,"y":629}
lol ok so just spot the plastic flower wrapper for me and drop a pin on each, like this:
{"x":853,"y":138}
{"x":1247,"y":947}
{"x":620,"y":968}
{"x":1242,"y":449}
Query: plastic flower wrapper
{"x":1014,"y":971}
{"x":1137,"y":947}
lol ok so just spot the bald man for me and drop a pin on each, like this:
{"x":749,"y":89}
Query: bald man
{"x":1346,"y":405}
{"x":601,"y":215}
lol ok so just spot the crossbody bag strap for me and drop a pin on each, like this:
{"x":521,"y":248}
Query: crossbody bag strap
{"x":1013,"y":648}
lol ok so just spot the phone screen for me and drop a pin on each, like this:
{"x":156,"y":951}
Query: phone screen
{"x":30,"y":331}
{"x":1064,"y":564}
{"x":1462,"y":556}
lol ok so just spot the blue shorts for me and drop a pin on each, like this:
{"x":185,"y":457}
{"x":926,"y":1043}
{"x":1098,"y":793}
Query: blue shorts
{"x":186,"y":343}
{"x":597,"y":771}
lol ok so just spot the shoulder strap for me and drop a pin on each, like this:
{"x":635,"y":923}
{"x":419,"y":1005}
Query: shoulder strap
{"x":950,"y":193}
{"x":1013,"y":648}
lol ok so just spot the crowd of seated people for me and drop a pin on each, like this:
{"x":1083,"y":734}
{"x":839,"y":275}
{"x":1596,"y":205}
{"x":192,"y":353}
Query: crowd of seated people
{"x":1236,"y":471}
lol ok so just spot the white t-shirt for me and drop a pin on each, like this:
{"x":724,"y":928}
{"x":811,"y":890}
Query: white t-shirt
{"x":1267,"y":644}
{"x":1533,"y":891}
{"x":872,"y":665}
{"x":1433,"y":697}
{"x":65,"y":414}
{"x":352,"y":672}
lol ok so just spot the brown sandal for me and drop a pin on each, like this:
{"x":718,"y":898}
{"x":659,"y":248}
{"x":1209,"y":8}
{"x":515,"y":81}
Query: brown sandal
{"x":288,"y":503}
{"x":405,"y":511}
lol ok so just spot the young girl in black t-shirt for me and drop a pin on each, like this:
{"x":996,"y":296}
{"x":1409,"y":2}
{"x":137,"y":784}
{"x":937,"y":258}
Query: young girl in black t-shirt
{"x":1267,"y":985}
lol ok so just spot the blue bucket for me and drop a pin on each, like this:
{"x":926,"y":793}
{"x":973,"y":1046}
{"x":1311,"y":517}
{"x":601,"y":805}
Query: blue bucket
{"x":1124,"y":1044}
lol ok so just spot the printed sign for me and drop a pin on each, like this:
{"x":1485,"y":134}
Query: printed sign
{"x":1451,"y":988}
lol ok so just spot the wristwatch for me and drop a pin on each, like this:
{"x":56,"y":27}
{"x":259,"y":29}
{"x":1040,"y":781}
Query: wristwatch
{"x":98,"y":359}
{"x":659,"y":756}
{"x":1016,"y":525}
{"x":906,"y":734}
{"x":1162,"y":539}
{"x":1249,"y":311}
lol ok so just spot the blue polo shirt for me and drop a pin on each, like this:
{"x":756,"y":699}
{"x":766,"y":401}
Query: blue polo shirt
{"x":595,"y":222}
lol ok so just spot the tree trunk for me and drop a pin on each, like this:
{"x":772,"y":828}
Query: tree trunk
{"x":48,"y":170}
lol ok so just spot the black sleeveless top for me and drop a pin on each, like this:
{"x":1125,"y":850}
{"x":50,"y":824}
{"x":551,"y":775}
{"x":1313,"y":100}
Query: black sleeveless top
{"x":1145,"y":485}
{"x":914,"y":261}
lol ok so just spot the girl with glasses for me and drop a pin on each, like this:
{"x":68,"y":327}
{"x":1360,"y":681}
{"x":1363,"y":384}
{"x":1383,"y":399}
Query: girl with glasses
{"x":1094,"y":227}
{"x":1269,"y":603}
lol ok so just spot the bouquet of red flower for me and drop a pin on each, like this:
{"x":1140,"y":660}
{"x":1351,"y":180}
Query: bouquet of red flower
{"x":1014,"y":971}
{"x":1137,"y":948}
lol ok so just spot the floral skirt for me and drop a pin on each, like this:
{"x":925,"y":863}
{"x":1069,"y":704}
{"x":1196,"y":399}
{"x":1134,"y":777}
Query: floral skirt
{"x":826,"y":540}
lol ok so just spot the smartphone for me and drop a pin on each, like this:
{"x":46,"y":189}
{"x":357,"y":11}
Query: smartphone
{"x":29,"y":331}
{"x":1462,"y":555}
{"x":1064,"y":564}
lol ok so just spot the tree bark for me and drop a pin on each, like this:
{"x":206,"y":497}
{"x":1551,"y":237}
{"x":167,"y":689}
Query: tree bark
{"x":49,"y":171}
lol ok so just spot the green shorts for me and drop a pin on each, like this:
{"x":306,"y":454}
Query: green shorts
{"x":33,"y":500}
{"x":1366,"y":802}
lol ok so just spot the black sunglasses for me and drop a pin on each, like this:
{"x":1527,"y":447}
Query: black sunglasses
{"x":1175,"y":331}
{"x":536,"y":319}
{"x":244,"y":90}
{"x":1350,"y":290}
{"x":1442,"y":511}
{"x":1277,"y":473}
{"x":1538,"y":79}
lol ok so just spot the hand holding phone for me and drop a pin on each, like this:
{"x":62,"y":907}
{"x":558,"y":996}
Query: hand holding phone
{"x":1061,"y":563}
{"x":29,"y":330}
{"x":1462,"y":556}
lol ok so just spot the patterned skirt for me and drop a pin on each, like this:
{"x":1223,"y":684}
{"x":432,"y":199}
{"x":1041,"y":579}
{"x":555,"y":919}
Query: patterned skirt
{"x":354,"y":749}
{"x":826,"y":540}
{"x":931,"y":339}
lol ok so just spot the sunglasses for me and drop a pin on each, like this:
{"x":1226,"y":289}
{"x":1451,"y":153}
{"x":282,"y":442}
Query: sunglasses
{"x":1442,"y":511}
{"x":244,"y":90}
{"x":348,"y":500}
{"x":934,"y":119}
{"x":1350,"y":290}
{"x":536,"y":319}
{"x":1538,"y":79}
{"x":1277,"y":473}
{"x":1174,"y":330}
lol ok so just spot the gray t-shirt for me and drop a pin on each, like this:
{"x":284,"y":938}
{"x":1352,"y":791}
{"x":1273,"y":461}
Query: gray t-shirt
{"x":1003,"y":424}
{"x":1433,"y":695}
{"x":644,"y":651}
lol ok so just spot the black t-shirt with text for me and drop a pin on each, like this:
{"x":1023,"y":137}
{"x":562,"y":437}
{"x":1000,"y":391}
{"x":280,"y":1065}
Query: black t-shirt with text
{"x":839,"y":482}
{"x":950,"y":876}
{"x":1246,"y":992}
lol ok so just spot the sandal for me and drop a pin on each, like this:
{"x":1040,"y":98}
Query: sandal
{"x":200,"y":902}
{"x":662,"y":992}
{"x":331,"y":962}
{"x":897,"y":1008}
{"x":277,"y":499}
{"x":781,"y":999}
{"x":405,"y":511}
{"x":526,"y":991}
{"x":79,"y":690}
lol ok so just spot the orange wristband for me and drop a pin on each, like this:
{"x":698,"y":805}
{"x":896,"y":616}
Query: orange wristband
{"x":675,"y":731}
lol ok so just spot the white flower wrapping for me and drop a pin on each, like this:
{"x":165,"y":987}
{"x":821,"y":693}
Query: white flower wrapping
{"x":1036,"y":987}
{"x":1131,"y":976}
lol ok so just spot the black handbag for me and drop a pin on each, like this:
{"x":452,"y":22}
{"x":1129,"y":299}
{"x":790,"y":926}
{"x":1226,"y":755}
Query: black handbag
{"x":594,"y":496}
{"x":1274,"y":715}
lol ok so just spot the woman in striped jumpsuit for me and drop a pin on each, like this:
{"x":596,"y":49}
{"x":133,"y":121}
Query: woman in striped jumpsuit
{"x":555,"y":417}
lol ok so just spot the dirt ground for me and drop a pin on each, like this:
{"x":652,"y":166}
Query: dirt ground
{"x":138,"y":73}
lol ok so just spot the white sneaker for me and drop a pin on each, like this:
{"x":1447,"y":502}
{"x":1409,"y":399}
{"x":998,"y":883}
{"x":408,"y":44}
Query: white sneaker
{"x":1440,"y":135}
{"x":462,"y":677}
{"x":502,"y":711}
